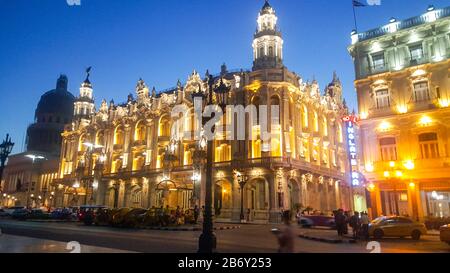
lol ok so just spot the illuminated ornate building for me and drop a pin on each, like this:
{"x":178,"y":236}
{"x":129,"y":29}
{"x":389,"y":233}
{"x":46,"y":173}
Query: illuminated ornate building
{"x":403,"y":88}
{"x":131,"y":154}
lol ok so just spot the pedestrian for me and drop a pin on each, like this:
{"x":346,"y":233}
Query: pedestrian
{"x":339,"y":220}
{"x":178,"y":216}
{"x":196,"y":214}
{"x":355,"y":224}
{"x":365,"y":226}
{"x":248,"y":215}
{"x":286,"y":237}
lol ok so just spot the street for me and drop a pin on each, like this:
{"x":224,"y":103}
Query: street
{"x":53,"y":237}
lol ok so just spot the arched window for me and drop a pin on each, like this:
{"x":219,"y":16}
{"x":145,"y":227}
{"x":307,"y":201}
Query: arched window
{"x":164,"y":127}
{"x":100,"y":139}
{"x":261,"y":52}
{"x":276,"y":127}
{"x":305,"y":116}
{"x":140,"y":132}
{"x":271,"y":51}
{"x":316,"y":122}
{"x":119,"y":136}
{"x":324,"y":126}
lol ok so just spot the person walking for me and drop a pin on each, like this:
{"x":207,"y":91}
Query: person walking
{"x":365,"y":226}
{"x":286,"y":237}
{"x":339,"y":219}
{"x":196,"y":214}
{"x":355,"y":224}
{"x":178,"y":216}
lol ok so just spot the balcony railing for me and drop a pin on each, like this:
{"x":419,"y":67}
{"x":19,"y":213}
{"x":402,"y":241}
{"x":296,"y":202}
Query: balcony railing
{"x":405,"y":24}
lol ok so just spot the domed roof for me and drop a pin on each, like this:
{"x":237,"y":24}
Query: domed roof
{"x":57,"y":101}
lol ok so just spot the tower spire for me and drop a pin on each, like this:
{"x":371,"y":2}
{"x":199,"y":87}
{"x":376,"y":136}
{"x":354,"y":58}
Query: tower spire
{"x":267,"y":41}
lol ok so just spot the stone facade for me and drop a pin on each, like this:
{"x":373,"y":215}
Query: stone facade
{"x":131,"y":154}
{"x":403,"y":88}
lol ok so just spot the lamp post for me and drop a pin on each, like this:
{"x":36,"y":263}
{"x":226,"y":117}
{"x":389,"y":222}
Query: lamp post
{"x":5,"y":149}
{"x":90,"y":166}
{"x":33,"y":158}
{"x":242,"y":180}
{"x":207,"y":240}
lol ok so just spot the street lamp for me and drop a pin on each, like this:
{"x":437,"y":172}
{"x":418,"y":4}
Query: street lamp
{"x":207,"y":240}
{"x":89,"y":157}
{"x":33,"y":158}
{"x":242,"y":180}
{"x":396,"y":173}
{"x":5,"y":149}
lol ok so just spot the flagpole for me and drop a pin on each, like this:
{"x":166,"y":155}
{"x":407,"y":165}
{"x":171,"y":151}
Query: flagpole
{"x":354,"y":16}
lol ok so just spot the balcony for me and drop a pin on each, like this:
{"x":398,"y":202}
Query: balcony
{"x":118,"y":146}
{"x":139,"y":143}
{"x":405,"y":24}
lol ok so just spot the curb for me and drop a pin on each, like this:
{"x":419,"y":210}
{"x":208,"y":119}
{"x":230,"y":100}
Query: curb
{"x":190,"y":228}
{"x":326,"y":240}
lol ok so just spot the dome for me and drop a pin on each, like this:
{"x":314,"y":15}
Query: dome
{"x":54,"y":111}
{"x":58,"y":101}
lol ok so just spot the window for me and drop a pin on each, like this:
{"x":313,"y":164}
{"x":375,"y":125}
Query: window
{"x":382,"y":98}
{"x":271,"y":51}
{"x":388,"y":148}
{"x":378,"y":61}
{"x":416,"y":52}
{"x":429,"y":147}
{"x":421,"y":91}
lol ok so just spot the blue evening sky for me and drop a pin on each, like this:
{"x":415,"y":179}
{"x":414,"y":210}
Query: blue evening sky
{"x":163,"y":41}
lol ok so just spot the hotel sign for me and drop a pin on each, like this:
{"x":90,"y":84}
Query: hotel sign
{"x":351,"y":122}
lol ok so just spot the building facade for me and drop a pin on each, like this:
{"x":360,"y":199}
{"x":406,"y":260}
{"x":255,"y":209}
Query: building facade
{"x":403,"y":88}
{"x":28,"y":175}
{"x":131,"y":154}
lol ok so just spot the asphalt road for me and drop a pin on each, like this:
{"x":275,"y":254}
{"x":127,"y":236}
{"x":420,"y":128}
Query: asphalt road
{"x":247,"y":239}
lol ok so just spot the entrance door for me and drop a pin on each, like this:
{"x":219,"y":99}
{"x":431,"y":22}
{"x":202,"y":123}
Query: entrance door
{"x":217,"y":199}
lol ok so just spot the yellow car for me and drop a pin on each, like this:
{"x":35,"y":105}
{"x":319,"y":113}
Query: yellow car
{"x":445,"y":234}
{"x":394,"y":226}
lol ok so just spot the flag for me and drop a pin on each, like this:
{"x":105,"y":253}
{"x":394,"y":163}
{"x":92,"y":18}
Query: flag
{"x":358,"y":4}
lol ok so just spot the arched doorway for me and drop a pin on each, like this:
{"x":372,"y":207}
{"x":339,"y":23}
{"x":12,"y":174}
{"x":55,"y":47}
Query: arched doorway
{"x":173,"y":194}
{"x":136,"y":197}
{"x":223,"y":199}
{"x":256,"y":199}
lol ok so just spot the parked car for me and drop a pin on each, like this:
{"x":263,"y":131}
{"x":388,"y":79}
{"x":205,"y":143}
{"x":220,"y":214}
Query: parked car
{"x":309,"y":221}
{"x":445,"y":234}
{"x":133,"y":218}
{"x":61,"y":214}
{"x":395,"y":226}
{"x":150,"y":218}
{"x":3,"y":213}
{"x":119,"y":217}
{"x":104,"y":216}
{"x":20,"y":214}
{"x":84,"y":209}
{"x":38,"y":214}
{"x":10,"y":210}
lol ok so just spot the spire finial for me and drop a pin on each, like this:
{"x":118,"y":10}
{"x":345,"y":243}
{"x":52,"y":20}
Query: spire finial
{"x":88,"y":73}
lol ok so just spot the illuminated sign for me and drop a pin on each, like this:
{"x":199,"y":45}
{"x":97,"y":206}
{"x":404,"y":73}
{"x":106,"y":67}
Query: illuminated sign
{"x":352,"y":149}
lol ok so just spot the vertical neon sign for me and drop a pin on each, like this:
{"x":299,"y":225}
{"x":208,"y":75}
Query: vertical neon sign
{"x":350,"y":122}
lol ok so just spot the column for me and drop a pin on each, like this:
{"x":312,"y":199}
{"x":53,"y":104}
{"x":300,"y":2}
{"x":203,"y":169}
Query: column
{"x":274,"y":212}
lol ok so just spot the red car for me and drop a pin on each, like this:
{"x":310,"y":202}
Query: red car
{"x":84,"y":209}
{"x":316,"y":221}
